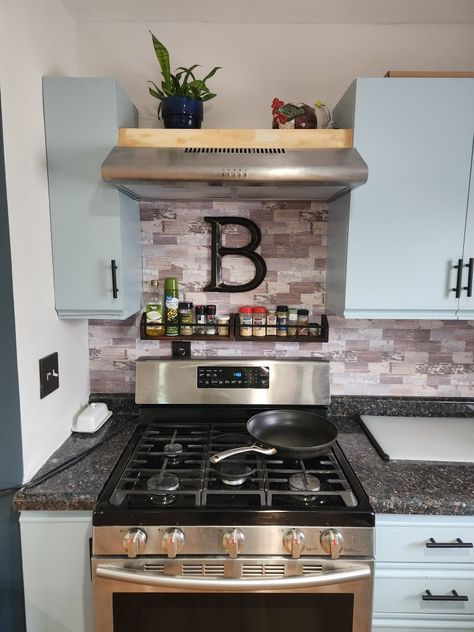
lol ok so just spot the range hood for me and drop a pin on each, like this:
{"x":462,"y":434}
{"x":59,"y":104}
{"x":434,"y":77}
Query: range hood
{"x":199,"y":173}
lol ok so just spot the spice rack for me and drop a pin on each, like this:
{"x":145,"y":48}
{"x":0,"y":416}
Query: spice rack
{"x":229,"y":327}
{"x":322,"y":335}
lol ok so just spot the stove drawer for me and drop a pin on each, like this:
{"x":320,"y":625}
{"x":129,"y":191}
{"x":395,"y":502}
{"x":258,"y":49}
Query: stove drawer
{"x":425,"y":539}
{"x":411,"y":590}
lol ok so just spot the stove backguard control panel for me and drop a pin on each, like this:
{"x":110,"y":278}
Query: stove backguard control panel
{"x":233,"y":377}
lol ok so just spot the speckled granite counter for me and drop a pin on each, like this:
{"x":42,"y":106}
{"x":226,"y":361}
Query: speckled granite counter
{"x":78,"y":486}
{"x":393,"y":487}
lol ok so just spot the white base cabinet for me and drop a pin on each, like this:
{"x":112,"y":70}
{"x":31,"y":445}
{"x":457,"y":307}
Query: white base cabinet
{"x":56,"y":570}
{"x":394,"y":243}
{"x":406,"y":570}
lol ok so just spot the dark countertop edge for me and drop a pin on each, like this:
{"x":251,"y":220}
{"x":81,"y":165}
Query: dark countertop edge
{"x":346,"y":408}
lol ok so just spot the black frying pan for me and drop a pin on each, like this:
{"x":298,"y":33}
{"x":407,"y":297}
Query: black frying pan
{"x":292,"y":433}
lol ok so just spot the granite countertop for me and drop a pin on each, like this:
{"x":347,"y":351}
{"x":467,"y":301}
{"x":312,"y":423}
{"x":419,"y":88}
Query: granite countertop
{"x":393,"y":487}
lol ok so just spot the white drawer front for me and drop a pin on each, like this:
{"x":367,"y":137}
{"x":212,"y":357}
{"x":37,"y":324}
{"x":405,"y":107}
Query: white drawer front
{"x":427,"y":626}
{"x":409,"y":543}
{"x":398,"y":592}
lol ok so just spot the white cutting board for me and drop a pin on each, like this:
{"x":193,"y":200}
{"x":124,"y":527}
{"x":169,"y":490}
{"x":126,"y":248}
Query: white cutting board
{"x":424,"y":438}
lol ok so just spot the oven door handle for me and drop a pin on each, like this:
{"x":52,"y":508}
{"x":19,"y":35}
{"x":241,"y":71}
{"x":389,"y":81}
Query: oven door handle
{"x":132,"y":576}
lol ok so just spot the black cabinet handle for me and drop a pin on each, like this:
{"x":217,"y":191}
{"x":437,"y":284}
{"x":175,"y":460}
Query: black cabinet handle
{"x":459,"y":544}
{"x":114,"y":267}
{"x":458,"y":287}
{"x":470,"y":274}
{"x":452,"y":597}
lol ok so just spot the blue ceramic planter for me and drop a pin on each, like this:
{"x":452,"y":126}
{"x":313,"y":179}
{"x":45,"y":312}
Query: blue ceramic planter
{"x":182,"y":112}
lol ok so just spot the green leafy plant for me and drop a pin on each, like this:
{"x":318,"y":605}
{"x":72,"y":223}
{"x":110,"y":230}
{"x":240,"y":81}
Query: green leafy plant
{"x":182,"y":82}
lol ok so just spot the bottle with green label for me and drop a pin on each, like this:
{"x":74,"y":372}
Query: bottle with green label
{"x":171,"y":307}
{"x":154,"y":325}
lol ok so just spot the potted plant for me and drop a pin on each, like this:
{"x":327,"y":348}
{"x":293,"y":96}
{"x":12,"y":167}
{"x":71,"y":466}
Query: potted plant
{"x":181,"y":95}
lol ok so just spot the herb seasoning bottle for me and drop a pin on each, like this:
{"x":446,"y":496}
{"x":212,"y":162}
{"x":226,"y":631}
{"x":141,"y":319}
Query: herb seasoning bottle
{"x":245,"y":315}
{"x":303,"y":322}
{"x":200,"y":320}
{"x":271,"y":322}
{"x":282,"y":320}
{"x":292,"y":321}
{"x":186,"y":319}
{"x":211,"y":320}
{"x":259,"y":321}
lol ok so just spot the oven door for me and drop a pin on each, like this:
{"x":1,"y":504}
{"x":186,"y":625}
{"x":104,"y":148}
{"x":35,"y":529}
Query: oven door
{"x":224,"y":595}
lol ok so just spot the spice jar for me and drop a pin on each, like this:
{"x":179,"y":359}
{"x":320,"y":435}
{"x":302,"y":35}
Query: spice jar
{"x":211,"y":320}
{"x":200,"y":320}
{"x":186,"y":319}
{"x":282,"y":320}
{"x":292,"y":321}
{"x":245,"y":314}
{"x":223,"y":325}
{"x":271,"y":322}
{"x":259,"y":320}
{"x":303,"y":322}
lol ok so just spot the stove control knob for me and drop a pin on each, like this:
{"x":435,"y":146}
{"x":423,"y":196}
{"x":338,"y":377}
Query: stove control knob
{"x":173,"y":541}
{"x":294,"y":542}
{"x":332,"y":542}
{"x":134,"y":542}
{"x":233,"y":542}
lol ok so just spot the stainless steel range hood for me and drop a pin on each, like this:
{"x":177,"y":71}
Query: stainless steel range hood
{"x":149,"y":173}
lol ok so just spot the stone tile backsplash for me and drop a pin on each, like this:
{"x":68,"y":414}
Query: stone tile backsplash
{"x":368,"y":357}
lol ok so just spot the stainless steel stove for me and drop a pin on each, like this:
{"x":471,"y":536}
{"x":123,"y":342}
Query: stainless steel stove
{"x":253,"y":525}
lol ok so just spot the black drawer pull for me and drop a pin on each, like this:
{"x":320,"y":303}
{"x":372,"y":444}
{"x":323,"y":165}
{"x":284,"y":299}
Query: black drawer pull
{"x":458,"y":287}
{"x":114,"y":267}
{"x":459,"y":544}
{"x":470,"y":275}
{"x":452,"y":597}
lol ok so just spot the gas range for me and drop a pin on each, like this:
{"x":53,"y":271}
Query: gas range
{"x":181,"y":526}
{"x":166,"y":477}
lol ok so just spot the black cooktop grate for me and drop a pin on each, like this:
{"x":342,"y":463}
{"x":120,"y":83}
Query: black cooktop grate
{"x":170,"y":467}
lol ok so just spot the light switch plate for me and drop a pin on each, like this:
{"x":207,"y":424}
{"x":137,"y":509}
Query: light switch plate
{"x":49,"y":374}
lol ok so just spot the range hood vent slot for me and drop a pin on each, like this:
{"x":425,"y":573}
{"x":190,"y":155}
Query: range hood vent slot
{"x":234,"y":150}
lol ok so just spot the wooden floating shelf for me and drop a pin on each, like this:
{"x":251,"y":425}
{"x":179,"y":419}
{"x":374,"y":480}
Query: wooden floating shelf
{"x":234,"y":333}
{"x":237,"y":138}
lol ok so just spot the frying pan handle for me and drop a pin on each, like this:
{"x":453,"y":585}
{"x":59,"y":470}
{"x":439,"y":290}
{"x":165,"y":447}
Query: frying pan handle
{"x":220,"y":456}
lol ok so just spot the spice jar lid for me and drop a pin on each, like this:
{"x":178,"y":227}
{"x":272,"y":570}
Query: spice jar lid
{"x":222,"y":320}
{"x":282,"y":308}
{"x":200,"y":309}
{"x":245,"y":309}
{"x":303,"y":312}
{"x":210,"y":309}
{"x":260,"y":310}
{"x":185,"y":305}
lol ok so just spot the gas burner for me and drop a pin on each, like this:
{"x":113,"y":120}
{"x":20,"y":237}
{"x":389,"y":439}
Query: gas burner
{"x":303,"y":482}
{"x":173,"y":449}
{"x":163,"y":482}
{"x":161,"y":501}
{"x":235,"y":473}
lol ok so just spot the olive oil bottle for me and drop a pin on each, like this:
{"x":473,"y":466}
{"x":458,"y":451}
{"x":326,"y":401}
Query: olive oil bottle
{"x":154,"y":325}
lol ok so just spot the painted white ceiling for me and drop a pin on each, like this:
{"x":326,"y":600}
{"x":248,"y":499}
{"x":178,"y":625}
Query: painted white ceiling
{"x":276,"y":11}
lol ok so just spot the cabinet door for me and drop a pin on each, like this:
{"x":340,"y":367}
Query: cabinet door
{"x":56,"y":570}
{"x":92,"y":224}
{"x":405,"y":227}
{"x":466,"y":302}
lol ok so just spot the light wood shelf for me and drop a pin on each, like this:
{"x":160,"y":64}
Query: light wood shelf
{"x":237,"y":138}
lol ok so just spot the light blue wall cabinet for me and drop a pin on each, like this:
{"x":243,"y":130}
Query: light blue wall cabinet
{"x":393,"y":244}
{"x":95,"y":229}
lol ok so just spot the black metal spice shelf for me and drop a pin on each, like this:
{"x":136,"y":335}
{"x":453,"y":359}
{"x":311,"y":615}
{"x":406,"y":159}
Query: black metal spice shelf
{"x":322,"y":335}
{"x":229,"y":327}
{"x":234,"y":328}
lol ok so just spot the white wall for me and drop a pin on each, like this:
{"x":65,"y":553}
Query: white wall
{"x":291,"y":61}
{"x":36,"y":39}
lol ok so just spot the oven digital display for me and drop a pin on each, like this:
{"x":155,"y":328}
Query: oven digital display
{"x":233,"y":377}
